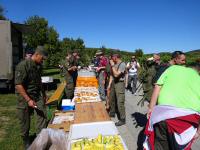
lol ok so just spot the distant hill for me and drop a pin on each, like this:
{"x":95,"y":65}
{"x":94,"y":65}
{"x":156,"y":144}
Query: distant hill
{"x":126,"y":55}
{"x":193,"y":51}
{"x":191,"y":56}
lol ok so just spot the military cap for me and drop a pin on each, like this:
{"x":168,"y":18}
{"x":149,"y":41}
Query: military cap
{"x":29,"y":50}
{"x":42,"y":51}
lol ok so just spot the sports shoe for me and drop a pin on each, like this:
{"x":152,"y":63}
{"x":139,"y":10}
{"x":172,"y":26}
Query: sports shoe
{"x":120,"y":122}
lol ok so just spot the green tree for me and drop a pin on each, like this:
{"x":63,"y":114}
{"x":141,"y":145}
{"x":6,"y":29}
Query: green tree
{"x":165,"y":57}
{"x":44,"y":35}
{"x":79,"y":44}
{"x":70,"y":44}
{"x":139,"y":53}
{"x":53,"y":47}
{"x":39,"y":36}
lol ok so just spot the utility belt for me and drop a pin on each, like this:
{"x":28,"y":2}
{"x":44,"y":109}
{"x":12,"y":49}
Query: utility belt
{"x":118,"y":80}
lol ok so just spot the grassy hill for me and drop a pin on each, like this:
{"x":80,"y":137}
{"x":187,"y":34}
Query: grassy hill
{"x":193,"y":55}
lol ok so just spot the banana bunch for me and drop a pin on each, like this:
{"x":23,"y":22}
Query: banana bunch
{"x":99,"y":143}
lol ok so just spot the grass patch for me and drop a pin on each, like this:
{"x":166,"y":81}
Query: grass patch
{"x":53,"y":72}
{"x":9,"y":125}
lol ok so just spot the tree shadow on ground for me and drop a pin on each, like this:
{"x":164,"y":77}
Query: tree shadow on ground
{"x":140,"y":120}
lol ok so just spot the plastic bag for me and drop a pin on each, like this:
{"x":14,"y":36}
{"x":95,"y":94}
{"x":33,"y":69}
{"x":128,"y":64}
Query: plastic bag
{"x":51,"y":139}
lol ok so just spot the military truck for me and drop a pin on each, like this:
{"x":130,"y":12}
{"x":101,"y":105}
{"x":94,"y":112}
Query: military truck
{"x":11,"y":50}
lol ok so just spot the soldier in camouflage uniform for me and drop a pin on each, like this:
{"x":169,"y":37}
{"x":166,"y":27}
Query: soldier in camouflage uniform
{"x":150,"y":68}
{"x":148,"y":75}
{"x":68,"y":69}
{"x":30,"y":94}
{"x":75,"y":60}
{"x":110,"y":100}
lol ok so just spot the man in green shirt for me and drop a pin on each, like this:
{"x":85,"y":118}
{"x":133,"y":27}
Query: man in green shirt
{"x":30,"y":94}
{"x":178,"y":87}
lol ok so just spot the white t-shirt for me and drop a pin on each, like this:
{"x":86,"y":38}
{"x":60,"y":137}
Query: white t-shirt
{"x":134,"y":68}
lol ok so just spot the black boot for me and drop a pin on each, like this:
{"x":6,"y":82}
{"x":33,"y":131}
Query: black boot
{"x":26,"y":142}
{"x":120,"y":122}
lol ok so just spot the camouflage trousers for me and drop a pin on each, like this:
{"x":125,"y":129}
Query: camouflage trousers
{"x":112,"y":99}
{"x":147,"y":94}
{"x":117,"y":101}
{"x":101,"y":81}
{"x":69,"y":90}
{"x":161,"y":136}
{"x":24,"y":113}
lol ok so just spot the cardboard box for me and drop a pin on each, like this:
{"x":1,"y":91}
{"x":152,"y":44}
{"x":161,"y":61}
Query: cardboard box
{"x":91,"y":130}
{"x":62,"y":120}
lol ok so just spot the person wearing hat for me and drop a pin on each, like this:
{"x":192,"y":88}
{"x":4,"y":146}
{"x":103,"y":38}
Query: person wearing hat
{"x":132,"y":68}
{"x":75,"y":62}
{"x":99,"y":52}
{"x":68,"y":69}
{"x":147,"y":75}
{"x":102,"y":75}
{"x":30,"y":94}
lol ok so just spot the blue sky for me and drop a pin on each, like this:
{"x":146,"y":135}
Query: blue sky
{"x":152,"y":25}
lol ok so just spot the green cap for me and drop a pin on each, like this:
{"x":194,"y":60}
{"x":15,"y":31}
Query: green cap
{"x":41,"y":50}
